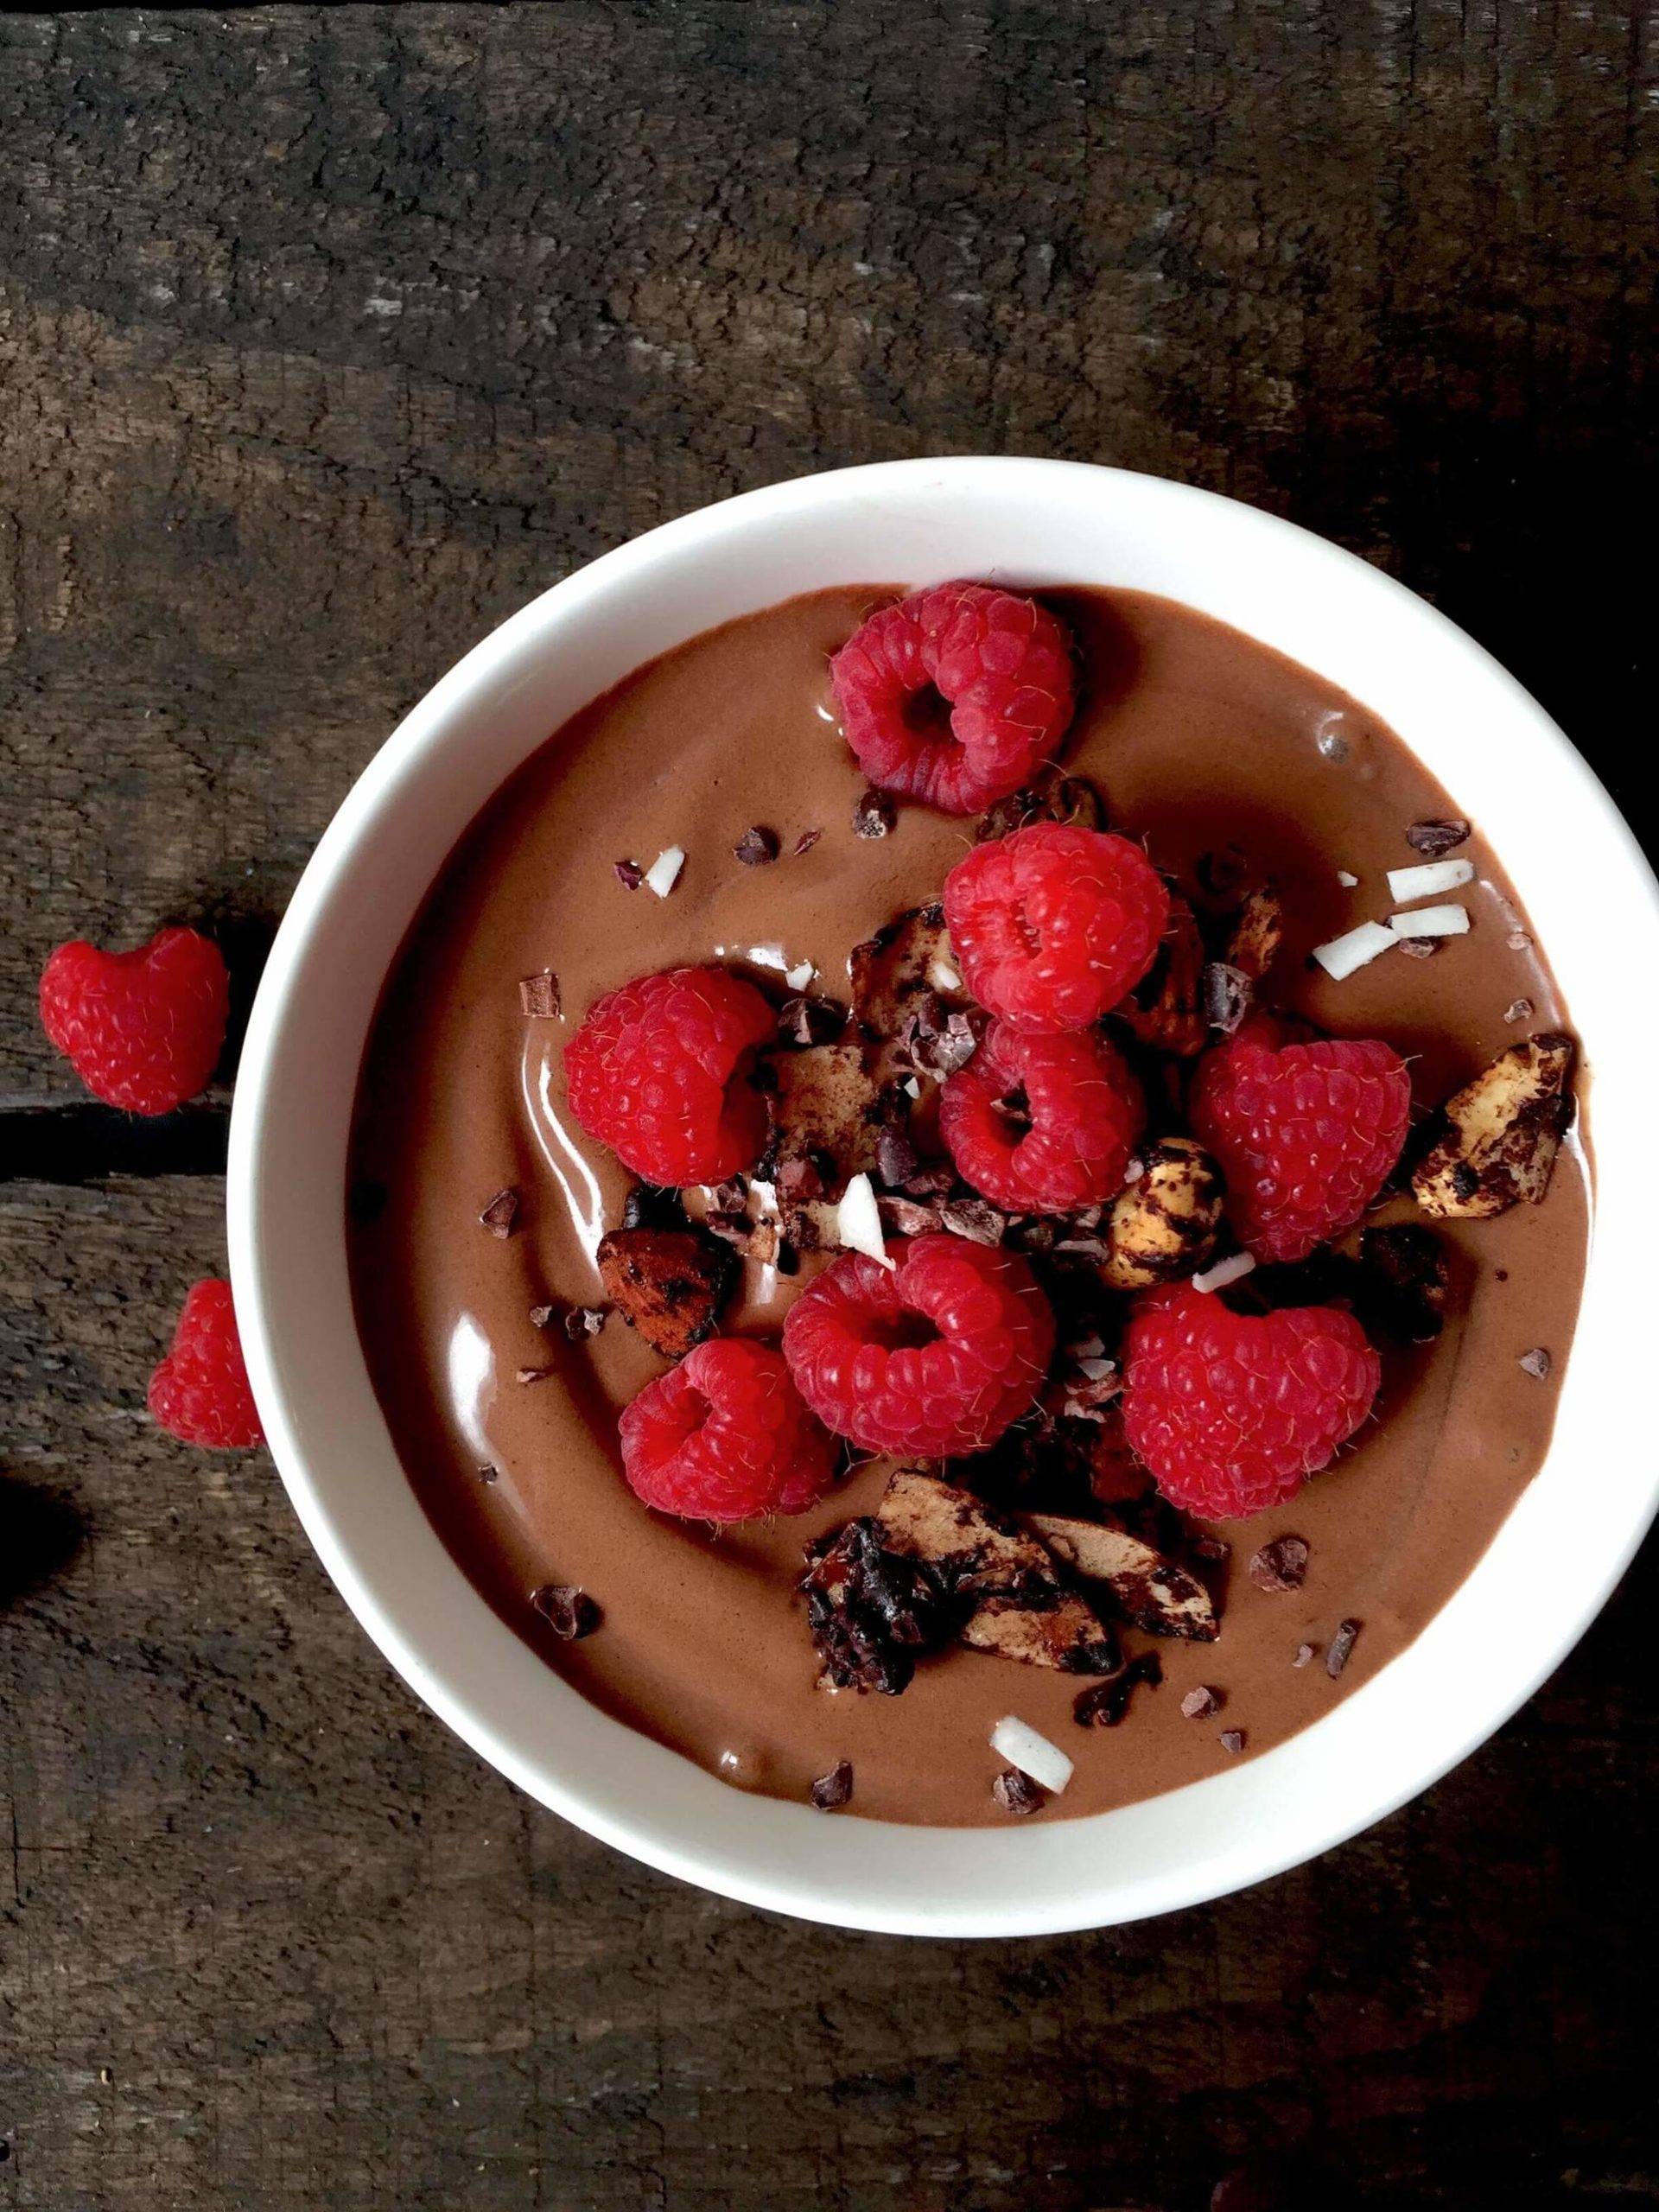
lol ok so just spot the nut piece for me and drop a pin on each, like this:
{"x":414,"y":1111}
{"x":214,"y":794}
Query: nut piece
{"x":1166,"y":1007}
{"x":1165,"y":1223}
{"x":1499,"y":1135}
{"x":890,"y":972}
{"x":825,"y":1105}
{"x":1070,"y":799}
{"x":1154,"y":1593}
{"x":1257,"y":933}
{"x":1017,"y":1605}
{"x":667,"y":1283}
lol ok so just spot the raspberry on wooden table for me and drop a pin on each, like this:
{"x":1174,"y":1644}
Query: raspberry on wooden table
{"x":1053,"y":925}
{"x":142,"y":1030}
{"x":1042,"y":1124}
{"x":659,"y":1071}
{"x":936,"y":1355}
{"x":1232,"y":1412}
{"x":199,"y":1392}
{"x":724,"y":1436}
{"x":956,"y":696}
{"x":1306,"y":1135}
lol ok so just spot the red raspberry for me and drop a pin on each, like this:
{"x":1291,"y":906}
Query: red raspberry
{"x":933,"y":1356}
{"x":1306,"y":1134}
{"x":1053,"y":925}
{"x":1042,"y":1124}
{"x":199,"y":1392}
{"x":956,"y":695}
{"x":142,"y":1030}
{"x":1232,"y":1412}
{"x":659,"y":1071}
{"x":724,"y":1437}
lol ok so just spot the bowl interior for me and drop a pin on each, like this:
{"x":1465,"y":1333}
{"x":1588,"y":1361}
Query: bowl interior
{"x":1575,"y":866}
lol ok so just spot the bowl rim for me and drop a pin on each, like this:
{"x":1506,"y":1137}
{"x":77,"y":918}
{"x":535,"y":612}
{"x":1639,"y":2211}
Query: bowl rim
{"x":1043,"y":1905}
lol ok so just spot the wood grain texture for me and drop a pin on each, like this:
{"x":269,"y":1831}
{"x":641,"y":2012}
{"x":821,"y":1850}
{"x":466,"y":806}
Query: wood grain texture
{"x":327,"y":338}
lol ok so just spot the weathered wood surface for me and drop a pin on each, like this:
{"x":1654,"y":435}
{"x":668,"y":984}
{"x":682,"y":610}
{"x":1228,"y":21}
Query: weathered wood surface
{"x":325,"y":339}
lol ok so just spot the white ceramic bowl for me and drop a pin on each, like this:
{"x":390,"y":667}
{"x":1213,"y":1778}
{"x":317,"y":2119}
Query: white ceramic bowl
{"x":1578,"y":869}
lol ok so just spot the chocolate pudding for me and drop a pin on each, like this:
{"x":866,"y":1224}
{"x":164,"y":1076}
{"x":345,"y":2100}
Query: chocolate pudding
{"x":1199,"y":741}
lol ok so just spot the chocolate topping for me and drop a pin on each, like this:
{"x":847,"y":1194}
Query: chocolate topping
{"x":1105,"y":1705}
{"x":1017,"y":1793}
{"x":500,"y":1215}
{"x":756,"y":848}
{"x":832,"y":1790}
{"x":1199,"y":1704}
{"x":629,"y":873}
{"x":1281,"y":1564}
{"x":538,"y":996}
{"x":1435,"y":839}
{"x":569,"y":1613}
{"x":874,"y":814}
{"x":1342,"y":1644}
{"x":1232,"y":1739}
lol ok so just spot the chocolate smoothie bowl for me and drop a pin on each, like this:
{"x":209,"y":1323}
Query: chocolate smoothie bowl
{"x":966,"y":1211}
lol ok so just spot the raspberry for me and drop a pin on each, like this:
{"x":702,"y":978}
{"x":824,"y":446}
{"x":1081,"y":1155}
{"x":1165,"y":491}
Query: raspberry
{"x":1042,"y":1124}
{"x":1306,"y":1134}
{"x":142,"y":1030}
{"x":659,"y":1071}
{"x":956,"y":695}
{"x":199,"y":1392}
{"x":1053,"y":925}
{"x":724,"y":1437}
{"x":1232,"y":1412}
{"x":933,"y":1356}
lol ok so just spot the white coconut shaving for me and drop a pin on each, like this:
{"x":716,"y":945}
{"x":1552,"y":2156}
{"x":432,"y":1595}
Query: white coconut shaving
{"x":1134,"y":1171}
{"x":1430,"y":921}
{"x":1431,"y":881}
{"x":1022,"y":1746}
{"x":1233,"y":1269}
{"x":1357,"y":949}
{"x":1348,"y":882}
{"x":1096,"y":1370}
{"x":664,"y":871}
{"x":858,"y":1221}
{"x":800,"y":974}
{"x":943,"y":976}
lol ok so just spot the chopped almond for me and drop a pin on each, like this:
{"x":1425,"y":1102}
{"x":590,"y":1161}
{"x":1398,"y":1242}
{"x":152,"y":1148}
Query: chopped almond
{"x":1497,"y":1139}
{"x":1154,"y":1592}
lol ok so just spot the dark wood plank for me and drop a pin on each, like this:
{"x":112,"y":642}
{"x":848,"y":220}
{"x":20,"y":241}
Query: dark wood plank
{"x":327,"y":338}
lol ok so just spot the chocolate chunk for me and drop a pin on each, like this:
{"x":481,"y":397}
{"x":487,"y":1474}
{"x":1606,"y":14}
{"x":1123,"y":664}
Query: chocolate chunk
{"x":1518,"y":940}
{"x":757,"y":847}
{"x":1067,"y":799}
{"x":653,"y":1205}
{"x":537,"y":1373}
{"x":806,"y":842}
{"x":366,"y":1201}
{"x":538,"y":996}
{"x":629,"y":873}
{"x":1017,"y":1793}
{"x":871,"y":1611}
{"x":1342,"y":1644}
{"x":1434,"y":839}
{"x":489,"y":1474}
{"x":1104,"y":1705}
{"x":1226,"y":992}
{"x":1199,"y":1704}
{"x":1232,"y":1739}
{"x":501,"y":1212}
{"x":1219,"y":873}
{"x":582,"y":1321}
{"x":937,"y":1040}
{"x":1212,"y":1548}
{"x":799,"y":1179}
{"x":832,"y":1790}
{"x":895,"y":1158}
{"x":875,"y":815}
{"x":1402,"y":1288}
{"x":569,"y":1613}
{"x":974,"y":1219}
{"x":541,"y":1315}
{"x":1164,"y":1008}
{"x":906,"y":1216}
{"x":1518,"y":1010}
{"x":1421,"y":947}
{"x":1281,"y":1564}
{"x":810,"y":1020}
{"x":668,"y":1284}
{"x":1537,"y":1362}
{"x":1304,"y":1653}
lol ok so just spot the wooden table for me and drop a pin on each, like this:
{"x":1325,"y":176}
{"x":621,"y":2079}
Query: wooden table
{"x":327,"y":338}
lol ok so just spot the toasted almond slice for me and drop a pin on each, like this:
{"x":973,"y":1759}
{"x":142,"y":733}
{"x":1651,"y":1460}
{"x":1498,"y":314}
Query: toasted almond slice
{"x":1154,"y":1592}
{"x":1497,"y":1137}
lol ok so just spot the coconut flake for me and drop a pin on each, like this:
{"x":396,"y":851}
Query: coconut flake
{"x":858,"y":1221}
{"x":800,"y":974}
{"x":911,"y":1087}
{"x":943,"y":976}
{"x":1429,"y":880}
{"x":664,"y":871}
{"x":1233,"y":1269}
{"x":1134,"y":1171}
{"x":1357,"y":949}
{"x":1348,"y":882}
{"x":1022,"y":1746}
{"x":1430,"y":921}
